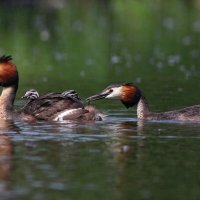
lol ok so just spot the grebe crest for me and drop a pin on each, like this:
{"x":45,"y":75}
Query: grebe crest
{"x":8,"y":71}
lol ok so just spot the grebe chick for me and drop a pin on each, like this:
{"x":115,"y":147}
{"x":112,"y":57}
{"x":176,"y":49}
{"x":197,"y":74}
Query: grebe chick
{"x":34,"y":94}
{"x":131,"y":95}
{"x":52,"y":106}
{"x":31,"y":94}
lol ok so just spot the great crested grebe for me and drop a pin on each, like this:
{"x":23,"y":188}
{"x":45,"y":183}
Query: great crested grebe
{"x":52,"y":106}
{"x":131,"y":95}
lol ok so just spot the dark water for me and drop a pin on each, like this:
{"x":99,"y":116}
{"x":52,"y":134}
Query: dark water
{"x":86,"y":45}
{"x":115,"y":159}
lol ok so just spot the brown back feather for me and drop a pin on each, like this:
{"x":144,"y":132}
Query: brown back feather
{"x":47,"y":107}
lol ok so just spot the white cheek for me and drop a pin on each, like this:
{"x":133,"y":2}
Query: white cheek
{"x":115,"y":94}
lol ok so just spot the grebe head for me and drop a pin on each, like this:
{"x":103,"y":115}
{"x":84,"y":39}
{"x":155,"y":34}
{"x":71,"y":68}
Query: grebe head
{"x":128,"y":93}
{"x":72,"y":94}
{"x":31,"y":94}
{"x":8,"y":72}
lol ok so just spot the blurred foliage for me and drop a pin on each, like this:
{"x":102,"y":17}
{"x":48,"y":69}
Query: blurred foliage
{"x":86,"y":45}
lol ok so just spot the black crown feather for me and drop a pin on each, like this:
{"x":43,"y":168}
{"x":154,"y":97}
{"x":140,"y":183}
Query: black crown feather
{"x":5,"y":58}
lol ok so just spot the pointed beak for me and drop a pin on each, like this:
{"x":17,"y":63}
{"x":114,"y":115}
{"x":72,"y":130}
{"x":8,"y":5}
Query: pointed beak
{"x":97,"y":97}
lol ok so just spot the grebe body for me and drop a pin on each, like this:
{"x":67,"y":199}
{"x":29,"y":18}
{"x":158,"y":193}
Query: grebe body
{"x":131,"y":95}
{"x":52,"y":106}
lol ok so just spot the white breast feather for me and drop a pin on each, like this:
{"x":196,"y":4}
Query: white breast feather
{"x":65,"y":113}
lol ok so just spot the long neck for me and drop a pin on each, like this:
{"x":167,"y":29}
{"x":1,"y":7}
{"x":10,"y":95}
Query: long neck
{"x":142,"y":108}
{"x":7,"y":100}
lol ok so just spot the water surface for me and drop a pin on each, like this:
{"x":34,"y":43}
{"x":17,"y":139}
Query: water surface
{"x":86,"y":45}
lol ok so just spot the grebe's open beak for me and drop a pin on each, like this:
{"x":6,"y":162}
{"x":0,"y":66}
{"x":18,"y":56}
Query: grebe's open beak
{"x":97,"y":97}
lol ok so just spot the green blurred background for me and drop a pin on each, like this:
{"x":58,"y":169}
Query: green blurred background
{"x":88,"y":44}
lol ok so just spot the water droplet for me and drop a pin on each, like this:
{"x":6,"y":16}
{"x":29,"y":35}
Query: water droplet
{"x":138,"y":80}
{"x":194,"y":53}
{"x":44,"y":79}
{"x":82,"y":74}
{"x":49,"y":68}
{"x":169,"y":23}
{"x":196,"y":26}
{"x":159,"y":65}
{"x":137,"y":57}
{"x":173,"y":59}
{"x":187,"y":40}
{"x":179,"y":89}
{"x":115,"y":59}
{"x":59,"y":55}
{"x":44,"y":35}
{"x":77,"y":26}
{"x":89,"y":62}
{"x":125,"y":148}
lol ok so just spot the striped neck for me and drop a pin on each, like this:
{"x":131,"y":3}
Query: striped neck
{"x":6,"y":101}
{"x":142,"y":108}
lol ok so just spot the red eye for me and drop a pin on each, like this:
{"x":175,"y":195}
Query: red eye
{"x":111,"y":90}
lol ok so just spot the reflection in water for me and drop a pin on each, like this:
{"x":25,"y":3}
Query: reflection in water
{"x":133,"y":159}
{"x":121,"y":146}
{"x":126,"y":147}
{"x":83,"y":156}
{"x":6,"y":153}
{"x":86,"y":43}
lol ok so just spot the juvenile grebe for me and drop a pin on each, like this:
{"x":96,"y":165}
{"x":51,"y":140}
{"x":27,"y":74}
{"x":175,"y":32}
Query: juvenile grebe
{"x":31,"y":94}
{"x":52,"y":106}
{"x":34,"y":94}
{"x":131,"y":95}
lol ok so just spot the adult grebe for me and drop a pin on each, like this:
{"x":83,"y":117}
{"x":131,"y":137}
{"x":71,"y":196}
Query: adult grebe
{"x":52,"y":106}
{"x":131,"y":95}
